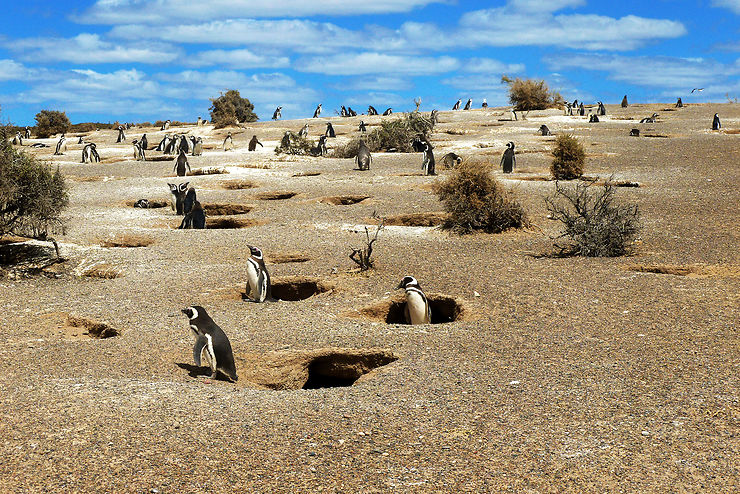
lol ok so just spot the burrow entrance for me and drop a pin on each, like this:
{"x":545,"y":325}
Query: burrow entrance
{"x":277,"y":195}
{"x":225,"y":209}
{"x":226,"y":223}
{"x":287,"y":257}
{"x":72,"y":326}
{"x":130,"y":240}
{"x":445,"y":309}
{"x":150,"y":203}
{"x":295,"y":288}
{"x":343,"y":200}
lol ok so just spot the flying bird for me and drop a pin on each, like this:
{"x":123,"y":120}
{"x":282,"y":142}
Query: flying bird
{"x":700,"y":89}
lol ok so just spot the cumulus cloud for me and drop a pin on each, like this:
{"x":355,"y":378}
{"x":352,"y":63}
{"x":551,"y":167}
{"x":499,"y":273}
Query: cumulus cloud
{"x":90,"y":48}
{"x":371,"y":63}
{"x":10,"y":70}
{"x":146,"y":11}
{"x":733,"y":5}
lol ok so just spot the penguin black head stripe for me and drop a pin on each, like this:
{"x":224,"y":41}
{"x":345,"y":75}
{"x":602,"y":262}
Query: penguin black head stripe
{"x":255,"y":251}
{"x":408,"y":281}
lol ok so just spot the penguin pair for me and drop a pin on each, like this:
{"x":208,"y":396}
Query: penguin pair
{"x":211,"y":344}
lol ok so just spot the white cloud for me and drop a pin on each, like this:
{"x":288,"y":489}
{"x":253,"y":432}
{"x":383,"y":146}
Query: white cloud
{"x":660,"y":72}
{"x":374,"y":83}
{"x":492,"y":67}
{"x":10,"y":70}
{"x":236,"y":59}
{"x":733,"y":5}
{"x":90,"y":48}
{"x":371,"y":63}
{"x":167,"y":11}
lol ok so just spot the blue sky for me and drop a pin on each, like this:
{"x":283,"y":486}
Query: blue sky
{"x":146,"y":60}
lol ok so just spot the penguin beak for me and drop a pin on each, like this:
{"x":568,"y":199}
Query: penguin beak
{"x":185,"y":311}
{"x":400,"y":285}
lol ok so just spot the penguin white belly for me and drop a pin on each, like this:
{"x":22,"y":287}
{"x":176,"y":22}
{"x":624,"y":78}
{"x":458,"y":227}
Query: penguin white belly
{"x":416,"y":306}
{"x":253,"y":281}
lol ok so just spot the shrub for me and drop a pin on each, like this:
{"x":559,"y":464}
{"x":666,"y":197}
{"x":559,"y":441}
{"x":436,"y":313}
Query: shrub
{"x":292,"y":143}
{"x":397,"y":134}
{"x":32,"y":196}
{"x":594,"y":225}
{"x":531,"y":94}
{"x":569,"y":158}
{"x":475,"y":201}
{"x":50,"y":122}
{"x":230,"y":109}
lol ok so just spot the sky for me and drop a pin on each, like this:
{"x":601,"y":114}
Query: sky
{"x":148,"y":60}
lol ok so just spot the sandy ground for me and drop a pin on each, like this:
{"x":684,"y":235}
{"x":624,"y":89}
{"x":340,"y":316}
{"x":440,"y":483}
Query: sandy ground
{"x":575,"y":375}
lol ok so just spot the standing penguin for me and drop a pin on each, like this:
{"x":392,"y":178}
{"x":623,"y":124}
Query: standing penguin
{"x":198,"y":147}
{"x":139,"y":153}
{"x":28,"y":133}
{"x":343,"y":112}
{"x":144,"y":142}
{"x":278,"y":113}
{"x":330,"y":130}
{"x":387,"y":112}
{"x":625,"y":104}
{"x":508,"y":160}
{"x":371,"y":110}
{"x":211,"y":342}
{"x":545,"y":130}
{"x":602,"y":109}
{"x":61,"y":146}
{"x":304,"y":131}
{"x":181,"y":164}
{"x":363,"y":159}
{"x":417,"y":309}
{"x":177,"y":199}
{"x":456,"y":106}
{"x":679,"y":103}
{"x":317,"y":111}
{"x":320,"y":149}
{"x":253,"y":143}
{"x":581,"y":110}
{"x":362,"y":127}
{"x":90,"y":154}
{"x":195,"y":219}
{"x":428,"y":163}
{"x":716,"y":124}
{"x":259,"y":287}
{"x":228,"y":142}
{"x":484,"y":104}
{"x":468,"y":104}
{"x":189,"y":201}
{"x":121,"y":135}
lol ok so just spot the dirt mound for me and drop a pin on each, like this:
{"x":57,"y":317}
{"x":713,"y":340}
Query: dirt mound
{"x":153,"y":203}
{"x":208,"y":170}
{"x":127,"y":240}
{"x":343,"y":200}
{"x":294,"y":288}
{"x":72,"y":326}
{"x":391,"y":311}
{"x":286,"y":257}
{"x":225,"y":209}
{"x":102,"y":270}
{"x":307,"y":174}
{"x":239,"y":185}
{"x":276,"y":195}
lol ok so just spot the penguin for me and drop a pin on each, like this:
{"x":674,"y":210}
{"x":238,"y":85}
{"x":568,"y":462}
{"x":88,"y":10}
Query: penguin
{"x":320,"y":149}
{"x":172,"y":145}
{"x":451,"y":160}
{"x":144,"y":142}
{"x":195,"y":219}
{"x":484,"y":104}
{"x":343,"y":111}
{"x":253,"y":143}
{"x":635,"y":133}
{"x":351,"y":112}
{"x":228,"y":142}
{"x":177,"y":199}
{"x":716,"y":124}
{"x":508,"y":160}
{"x":679,"y":103}
{"x":418,"y":145}
{"x":190,"y":199}
{"x":198,"y":147}
{"x":625,"y":104}
{"x":428,"y":163}
{"x":363,"y":159}
{"x":568,"y":109}
{"x":468,"y":104}
{"x":139,"y":153}
{"x":79,"y":141}
{"x":199,"y":123}
{"x":121,"y":135}
{"x":259,"y":288}
{"x":277,"y":113}
{"x":163,"y":143}
{"x":371,"y":110}
{"x":650,"y":119}
{"x":456,"y":106}
{"x":211,"y":342}
{"x":184,"y":145}
{"x":89,"y":153}
{"x":593,"y":118}
{"x":417,"y":309}
{"x":181,"y":164}
{"x":61,"y":146}
{"x":165,"y":125}
{"x":304,"y":131}
{"x":142,"y":203}
{"x":362,"y":127}
{"x":544,"y":130}
{"x":330,"y":130}
{"x":581,"y":110}
{"x":317,"y":111}
{"x":433,"y":117}
{"x":602,"y":109}
{"x":28,"y":133}
{"x":387,"y":112}
{"x":19,"y":138}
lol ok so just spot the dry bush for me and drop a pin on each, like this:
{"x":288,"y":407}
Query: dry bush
{"x":594,"y":225}
{"x":397,"y":135}
{"x":531,"y":94}
{"x":475,"y":201}
{"x":50,"y":122}
{"x":230,"y":109}
{"x":102,"y":270}
{"x":569,"y":158}
{"x":32,"y":195}
{"x":296,"y":145}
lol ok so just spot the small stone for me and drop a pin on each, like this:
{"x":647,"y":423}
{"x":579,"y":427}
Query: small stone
{"x":476,"y":294}
{"x":513,"y":383}
{"x":645,"y":433}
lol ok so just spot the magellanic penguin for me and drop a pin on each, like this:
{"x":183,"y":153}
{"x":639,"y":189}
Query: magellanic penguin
{"x":508,"y":160}
{"x":716,"y":125}
{"x":253,"y":144}
{"x":363,"y":159}
{"x":278,"y":113}
{"x":330,"y":130}
{"x":259,"y":288}
{"x":317,"y":111}
{"x":181,"y":164}
{"x":456,"y":106}
{"x":211,"y":342}
{"x":417,"y":309}
{"x":228,"y":142}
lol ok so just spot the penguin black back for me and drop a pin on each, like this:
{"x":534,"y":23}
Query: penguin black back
{"x":508,"y":160}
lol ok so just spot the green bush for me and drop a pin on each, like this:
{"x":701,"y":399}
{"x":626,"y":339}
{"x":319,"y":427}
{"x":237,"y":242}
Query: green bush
{"x":475,"y":201}
{"x":396,"y":134}
{"x":230,"y":109}
{"x":292,"y":143}
{"x":569,"y":158}
{"x":32,"y":195}
{"x":50,"y":122}
{"x":531,"y":94}
{"x":594,"y":225}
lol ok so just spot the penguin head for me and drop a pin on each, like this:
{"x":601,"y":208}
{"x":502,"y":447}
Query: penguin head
{"x":183,"y":186}
{"x":408,"y":281}
{"x":510,"y":145}
{"x":193,"y":312}
{"x":256,"y":252}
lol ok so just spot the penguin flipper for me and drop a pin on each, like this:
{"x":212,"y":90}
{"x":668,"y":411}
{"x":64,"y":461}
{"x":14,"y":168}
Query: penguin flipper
{"x":200,"y":344}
